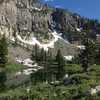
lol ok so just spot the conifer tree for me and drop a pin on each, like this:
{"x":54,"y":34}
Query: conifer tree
{"x":2,"y":79}
{"x":97,"y":60}
{"x":3,"y":51}
{"x":35,"y":53}
{"x":42,"y":55}
{"x":60,"y":65}
{"x":87,"y":55}
{"x":3,"y":61}
{"x":43,"y":58}
{"x":49,"y":65}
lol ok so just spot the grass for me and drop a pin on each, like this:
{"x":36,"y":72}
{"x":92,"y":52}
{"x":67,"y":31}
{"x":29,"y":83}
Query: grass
{"x":42,"y":90}
{"x":13,"y":67}
{"x":73,"y":68}
{"x":12,"y":93}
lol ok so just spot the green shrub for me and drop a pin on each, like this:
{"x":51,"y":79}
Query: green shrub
{"x":79,"y":78}
{"x":73,"y":68}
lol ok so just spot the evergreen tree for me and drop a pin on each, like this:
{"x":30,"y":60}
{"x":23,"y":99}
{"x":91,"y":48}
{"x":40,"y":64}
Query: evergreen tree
{"x":42,"y":55}
{"x":3,"y":52}
{"x":87,"y":55}
{"x":50,"y":66}
{"x":60,"y":65}
{"x":35,"y":53}
{"x":97,"y":60}
{"x":3,"y":61}
{"x":43,"y":58}
{"x":2,"y":79}
{"x":49,"y":59}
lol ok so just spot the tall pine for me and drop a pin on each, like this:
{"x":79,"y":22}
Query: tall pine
{"x":3,"y":51}
{"x":87,"y":55}
{"x":3,"y":61}
{"x":35,"y":53}
{"x":60,"y":65}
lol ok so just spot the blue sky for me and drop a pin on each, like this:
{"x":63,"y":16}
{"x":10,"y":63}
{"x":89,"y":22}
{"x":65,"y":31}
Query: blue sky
{"x":87,"y":8}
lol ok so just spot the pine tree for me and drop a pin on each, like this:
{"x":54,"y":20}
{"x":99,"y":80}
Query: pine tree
{"x":3,"y":61}
{"x":60,"y":65}
{"x":35,"y":53}
{"x":50,"y":62}
{"x":3,"y":52}
{"x":42,"y":55}
{"x":87,"y":55}
{"x":43,"y":58}
{"x":2,"y":79}
{"x":97,"y":60}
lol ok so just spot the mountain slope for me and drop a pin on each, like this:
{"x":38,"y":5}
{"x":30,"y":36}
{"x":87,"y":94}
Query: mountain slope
{"x":28,"y":22}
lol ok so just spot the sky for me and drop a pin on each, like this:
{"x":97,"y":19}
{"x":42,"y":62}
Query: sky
{"x":86,"y":8}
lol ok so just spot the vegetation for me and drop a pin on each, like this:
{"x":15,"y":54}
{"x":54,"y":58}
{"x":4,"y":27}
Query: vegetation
{"x":13,"y":67}
{"x":87,"y":55}
{"x":3,"y":52}
{"x":72,"y":69}
{"x":48,"y":92}
{"x":50,"y":82}
{"x":58,"y":79}
{"x":60,"y":63}
{"x":3,"y":62}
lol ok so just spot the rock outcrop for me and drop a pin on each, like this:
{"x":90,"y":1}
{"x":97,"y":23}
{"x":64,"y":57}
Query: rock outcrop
{"x":30,"y":15}
{"x":30,"y":18}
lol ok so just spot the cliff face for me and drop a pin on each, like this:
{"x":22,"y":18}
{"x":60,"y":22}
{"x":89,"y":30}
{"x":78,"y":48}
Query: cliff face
{"x":30,"y":22}
{"x":29,"y":15}
{"x":64,"y":21}
{"x":8,"y":12}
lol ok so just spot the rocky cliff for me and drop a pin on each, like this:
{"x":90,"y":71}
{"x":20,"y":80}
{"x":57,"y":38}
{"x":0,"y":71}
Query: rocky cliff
{"x":29,"y":15}
{"x":29,"y":22}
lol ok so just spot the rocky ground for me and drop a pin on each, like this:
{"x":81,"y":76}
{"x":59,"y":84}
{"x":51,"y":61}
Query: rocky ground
{"x":19,"y":52}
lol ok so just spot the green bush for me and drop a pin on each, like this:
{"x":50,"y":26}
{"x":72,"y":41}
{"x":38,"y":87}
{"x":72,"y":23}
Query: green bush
{"x":13,"y":67}
{"x":73,"y":68}
{"x":78,"y":78}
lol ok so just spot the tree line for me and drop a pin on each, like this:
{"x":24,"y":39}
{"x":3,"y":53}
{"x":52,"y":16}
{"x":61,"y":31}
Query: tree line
{"x":53,"y":65}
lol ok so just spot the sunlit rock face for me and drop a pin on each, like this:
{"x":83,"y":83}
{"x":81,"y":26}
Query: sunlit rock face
{"x":29,"y":19}
{"x":8,"y":12}
{"x":30,"y":15}
{"x":25,"y":15}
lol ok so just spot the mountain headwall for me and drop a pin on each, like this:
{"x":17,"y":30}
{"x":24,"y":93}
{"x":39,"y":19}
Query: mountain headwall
{"x":29,"y":15}
{"x":30,"y":22}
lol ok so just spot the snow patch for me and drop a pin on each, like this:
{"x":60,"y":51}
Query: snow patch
{"x":19,"y":60}
{"x":37,"y":9}
{"x":12,"y":39}
{"x":79,"y":29}
{"x":34,"y":41}
{"x":30,"y":66}
{"x":69,"y":58}
{"x":81,"y":47}
{"x":28,"y":62}
{"x":28,"y":71}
